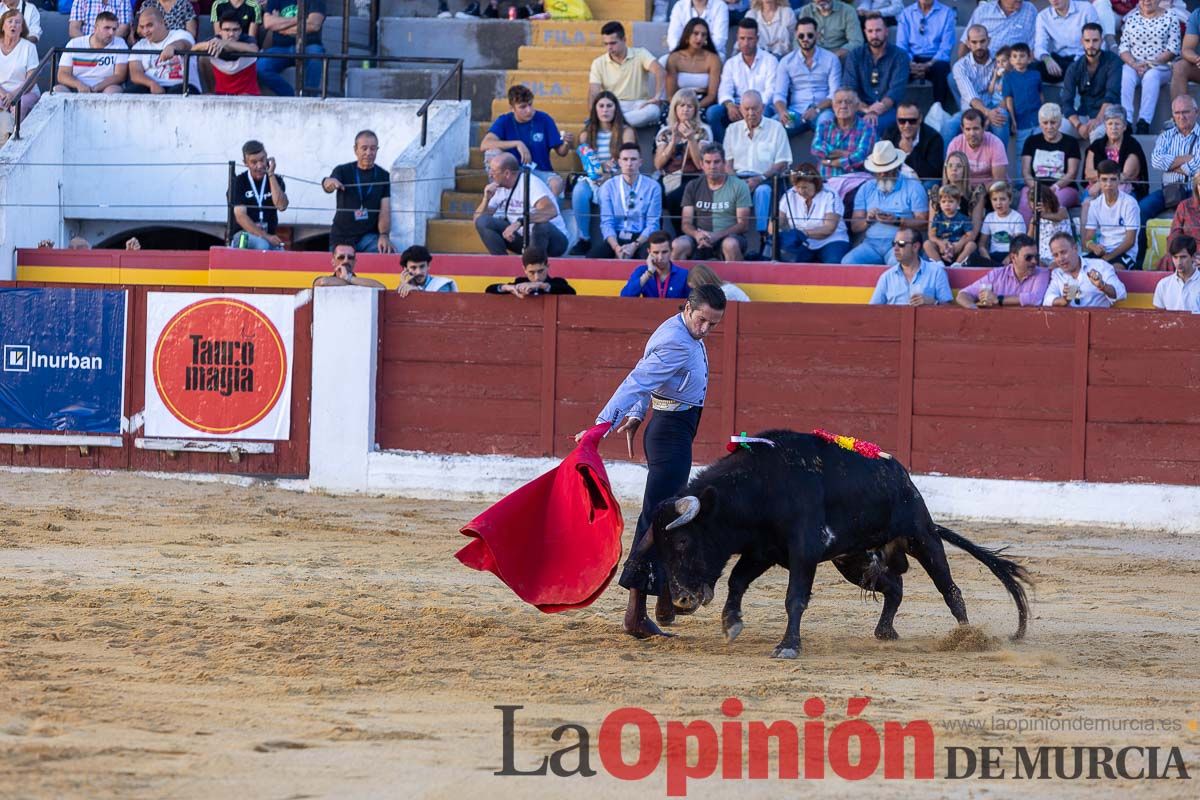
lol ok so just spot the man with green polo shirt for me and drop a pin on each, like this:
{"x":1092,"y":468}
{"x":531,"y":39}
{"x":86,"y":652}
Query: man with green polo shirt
{"x":716,"y":212}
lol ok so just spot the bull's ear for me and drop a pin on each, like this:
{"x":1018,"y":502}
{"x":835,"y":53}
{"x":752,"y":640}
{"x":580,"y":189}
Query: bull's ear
{"x":645,"y":545}
{"x":708,"y":500}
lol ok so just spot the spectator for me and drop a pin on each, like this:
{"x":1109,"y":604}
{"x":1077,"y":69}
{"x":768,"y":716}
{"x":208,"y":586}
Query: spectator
{"x":694,"y":64}
{"x":714,"y":12}
{"x":974,"y":75}
{"x":415,"y":262}
{"x":758,"y":150}
{"x":1022,"y":88}
{"x":716,"y":212}
{"x":986,"y":154}
{"x":1187,"y":68}
{"x":158,"y":73}
{"x":18,"y":63}
{"x":1116,"y":144}
{"x":1049,"y":218}
{"x":178,"y":15}
{"x":29,"y":12}
{"x":622,"y":70}
{"x":280,"y":20}
{"x":878,"y":72}
{"x":1050,"y":156}
{"x":536,"y":279}
{"x":843,"y":143}
{"x":924,"y":151}
{"x":1008,"y":22}
{"x":604,"y":125}
{"x":805,"y":82}
{"x":911,"y":281}
{"x":249,"y":14}
{"x":1177,"y":155}
{"x":1149,"y":43}
{"x":80,"y":243}
{"x":889,"y":9}
{"x":258,"y":197}
{"x":749,"y":69}
{"x":677,"y":148}
{"x":951,"y":233}
{"x":704,"y":275}
{"x":1180,"y":291}
{"x":885,"y":207}
{"x":1001,"y":225}
{"x":232,"y":56}
{"x":1095,"y":78}
{"x":1186,"y":221}
{"x":776,"y":26}
{"x":1111,"y":229}
{"x":95,"y":72}
{"x":837,"y":25}
{"x":812,"y":228}
{"x":957,"y":172}
{"x":1056,"y":40}
{"x":499,"y":219}
{"x":528,"y":135}
{"x":364,"y":212}
{"x":1018,"y":282}
{"x":1112,"y":14}
{"x":82,"y":21}
{"x":658,"y":277}
{"x":926,"y":33}
{"x":1080,"y":282}
{"x":343,"y":270}
{"x":630,"y":208}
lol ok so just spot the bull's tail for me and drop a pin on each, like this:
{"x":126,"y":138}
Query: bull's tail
{"x":1010,"y":573}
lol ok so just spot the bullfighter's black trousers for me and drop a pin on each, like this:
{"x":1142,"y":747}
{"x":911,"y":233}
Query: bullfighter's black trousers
{"x":668,"y":443}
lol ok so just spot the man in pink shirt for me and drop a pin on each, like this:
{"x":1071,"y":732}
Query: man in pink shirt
{"x":1019,"y":282}
{"x":987,"y":154}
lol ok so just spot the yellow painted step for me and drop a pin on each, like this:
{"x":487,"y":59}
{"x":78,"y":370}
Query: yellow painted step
{"x":567,"y":163}
{"x":555,"y":58}
{"x":557,"y":85}
{"x":459,"y":205}
{"x":567,"y":33}
{"x":621,"y":9}
{"x":453,"y":236}
{"x":469,"y":180}
{"x":567,"y":112}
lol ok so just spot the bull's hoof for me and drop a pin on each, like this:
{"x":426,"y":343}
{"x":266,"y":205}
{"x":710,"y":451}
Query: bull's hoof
{"x":886,"y":634}
{"x":664,"y":613}
{"x":786,"y":652}
{"x":733,"y":627}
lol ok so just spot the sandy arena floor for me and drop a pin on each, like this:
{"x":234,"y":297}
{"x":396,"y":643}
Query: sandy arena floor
{"x":171,"y":639}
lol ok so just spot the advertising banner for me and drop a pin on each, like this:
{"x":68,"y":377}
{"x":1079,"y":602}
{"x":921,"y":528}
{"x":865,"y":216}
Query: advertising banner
{"x":218,"y":366}
{"x":63,"y":359}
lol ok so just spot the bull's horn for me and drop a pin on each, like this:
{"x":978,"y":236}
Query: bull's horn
{"x":687,"y":508}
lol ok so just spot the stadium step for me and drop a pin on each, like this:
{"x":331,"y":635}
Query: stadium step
{"x":555,"y":58}
{"x":453,"y":236}
{"x":567,"y":163}
{"x":603,"y":10}
{"x":459,"y":205}
{"x":467,"y":179}
{"x":556,"y":85}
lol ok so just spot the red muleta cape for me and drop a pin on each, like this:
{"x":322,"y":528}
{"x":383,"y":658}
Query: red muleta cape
{"x":556,"y":541}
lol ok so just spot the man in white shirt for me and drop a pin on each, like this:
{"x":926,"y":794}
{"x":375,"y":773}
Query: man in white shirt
{"x":1080,"y":282}
{"x":1180,"y":291}
{"x":1111,"y":228}
{"x":1056,"y":40}
{"x":158,"y":74}
{"x":714,"y":12}
{"x":749,"y":69}
{"x":972,"y":73}
{"x":757,"y":149}
{"x":500,"y":216}
{"x":805,"y":81}
{"x":95,"y":72}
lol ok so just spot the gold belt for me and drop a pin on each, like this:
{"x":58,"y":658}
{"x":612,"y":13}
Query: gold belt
{"x":663,"y":404}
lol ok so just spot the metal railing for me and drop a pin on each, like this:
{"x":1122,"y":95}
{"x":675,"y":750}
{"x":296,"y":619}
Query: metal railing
{"x":456,"y":64}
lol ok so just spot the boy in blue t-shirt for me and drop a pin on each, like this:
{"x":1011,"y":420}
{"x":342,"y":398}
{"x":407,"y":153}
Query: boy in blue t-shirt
{"x":529,"y":135}
{"x":1022,"y":93}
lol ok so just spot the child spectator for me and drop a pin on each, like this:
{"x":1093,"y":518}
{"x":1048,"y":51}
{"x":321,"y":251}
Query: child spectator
{"x":1049,"y":218}
{"x":995,"y":89}
{"x":951,"y":233}
{"x":1022,"y":94}
{"x":1001,"y":225}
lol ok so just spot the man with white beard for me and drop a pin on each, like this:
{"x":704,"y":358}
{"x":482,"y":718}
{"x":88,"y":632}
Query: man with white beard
{"x":886,"y":206}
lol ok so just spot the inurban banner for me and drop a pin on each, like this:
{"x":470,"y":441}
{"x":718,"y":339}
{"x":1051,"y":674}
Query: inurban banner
{"x":218,"y":366}
{"x":64,"y":359}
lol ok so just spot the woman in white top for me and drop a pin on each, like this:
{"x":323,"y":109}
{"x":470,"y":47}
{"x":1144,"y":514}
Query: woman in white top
{"x":704,"y":275}
{"x":811,"y":221}
{"x":18,"y":62}
{"x":605,"y":131}
{"x":776,"y":26}
{"x":694,"y":64}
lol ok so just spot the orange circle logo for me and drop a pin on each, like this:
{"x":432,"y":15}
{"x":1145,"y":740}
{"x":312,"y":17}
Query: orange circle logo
{"x":219,"y":365}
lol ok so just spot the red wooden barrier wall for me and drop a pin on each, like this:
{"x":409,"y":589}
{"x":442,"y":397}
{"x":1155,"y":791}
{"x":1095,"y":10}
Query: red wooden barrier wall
{"x":1051,"y":394}
{"x":290,"y":458}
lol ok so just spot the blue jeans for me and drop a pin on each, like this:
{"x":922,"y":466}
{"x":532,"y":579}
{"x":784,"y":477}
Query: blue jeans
{"x":799,"y":125}
{"x":761,"y":197}
{"x":1152,"y":205}
{"x":871,"y":251}
{"x":270,"y":69}
{"x":1022,"y":135}
{"x":367,"y":243}
{"x":790,"y":249}
{"x":248,"y":241}
{"x":582,"y":198}
{"x":954,"y":128}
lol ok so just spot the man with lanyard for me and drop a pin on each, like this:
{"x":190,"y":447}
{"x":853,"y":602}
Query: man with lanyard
{"x":672,"y":376}
{"x":364,"y":212}
{"x":258,"y":197}
{"x":658,"y":277}
{"x":630,"y":209}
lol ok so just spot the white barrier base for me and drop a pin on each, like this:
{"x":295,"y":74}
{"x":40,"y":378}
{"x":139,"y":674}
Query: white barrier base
{"x":1175,"y":509}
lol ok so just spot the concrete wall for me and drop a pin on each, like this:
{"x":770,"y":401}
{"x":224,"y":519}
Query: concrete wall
{"x":30,"y":193}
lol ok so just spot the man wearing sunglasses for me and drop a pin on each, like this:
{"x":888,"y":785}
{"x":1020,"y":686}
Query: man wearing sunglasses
{"x":806,"y":81}
{"x":922,"y":145}
{"x":913,"y":281}
{"x":926,"y":32}
{"x":1020,"y":281}
{"x":344,"y":257}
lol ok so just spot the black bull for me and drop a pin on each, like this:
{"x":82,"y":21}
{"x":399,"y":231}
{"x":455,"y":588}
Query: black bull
{"x":795,"y":505}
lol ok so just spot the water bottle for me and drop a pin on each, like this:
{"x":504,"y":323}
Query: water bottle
{"x":590,"y":160}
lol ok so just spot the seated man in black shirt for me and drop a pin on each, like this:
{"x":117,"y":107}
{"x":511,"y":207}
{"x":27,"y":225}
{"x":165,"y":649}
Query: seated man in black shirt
{"x":922,"y":145}
{"x":536,"y":279}
{"x":258,"y":197}
{"x":364,"y":191}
